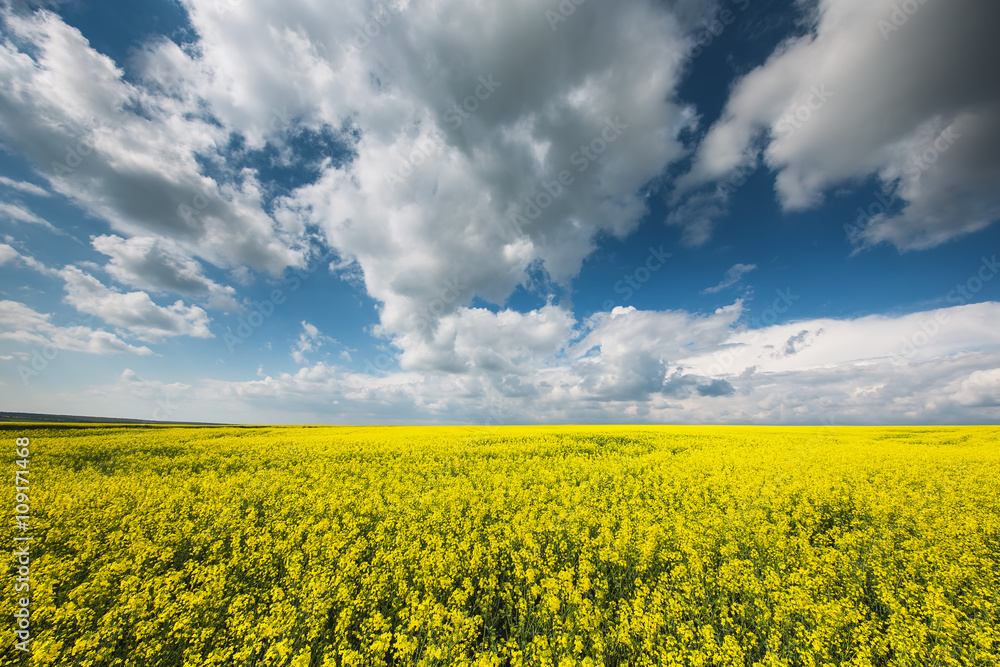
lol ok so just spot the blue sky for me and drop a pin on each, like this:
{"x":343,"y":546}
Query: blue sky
{"x":743,"y":211}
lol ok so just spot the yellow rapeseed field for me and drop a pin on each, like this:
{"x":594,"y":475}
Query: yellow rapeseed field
{"x":558,"y":545}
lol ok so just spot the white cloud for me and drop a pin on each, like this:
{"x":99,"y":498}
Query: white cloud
{"x":416,"y":231}
{"x":133,"y":311}
{"x":915,"y":106}
{"x":667,"y":367}
{"x":980,"y":389}
{"x":309,"y":340}
{"x":733,"y":275}
{"x":24,"y":186}
{"x":7,"y":253}
{"x":477,"y":340}
{"x":127,"y":154}
{"x":464,"y":125}
{"x":160,"y":265}
{"x":449,"y":154}
{"x":19,"y":213}
{"x":633,"y":355}
{"x":876,"y":339}
{"x":578,"y":100}
{"x":21,"y":324}
{"x":11,"y":253}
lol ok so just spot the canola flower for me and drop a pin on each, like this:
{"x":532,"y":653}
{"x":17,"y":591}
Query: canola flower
{"x":559,"y":545}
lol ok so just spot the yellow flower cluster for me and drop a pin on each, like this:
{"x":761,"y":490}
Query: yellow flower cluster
{"x":559,"y":545}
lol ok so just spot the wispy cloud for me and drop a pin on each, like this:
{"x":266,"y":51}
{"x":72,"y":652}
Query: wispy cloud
{"x":309,"y":340}
{"x":24,"y":186}
{"x":19,"y":213}
{"x":734,"y":275}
